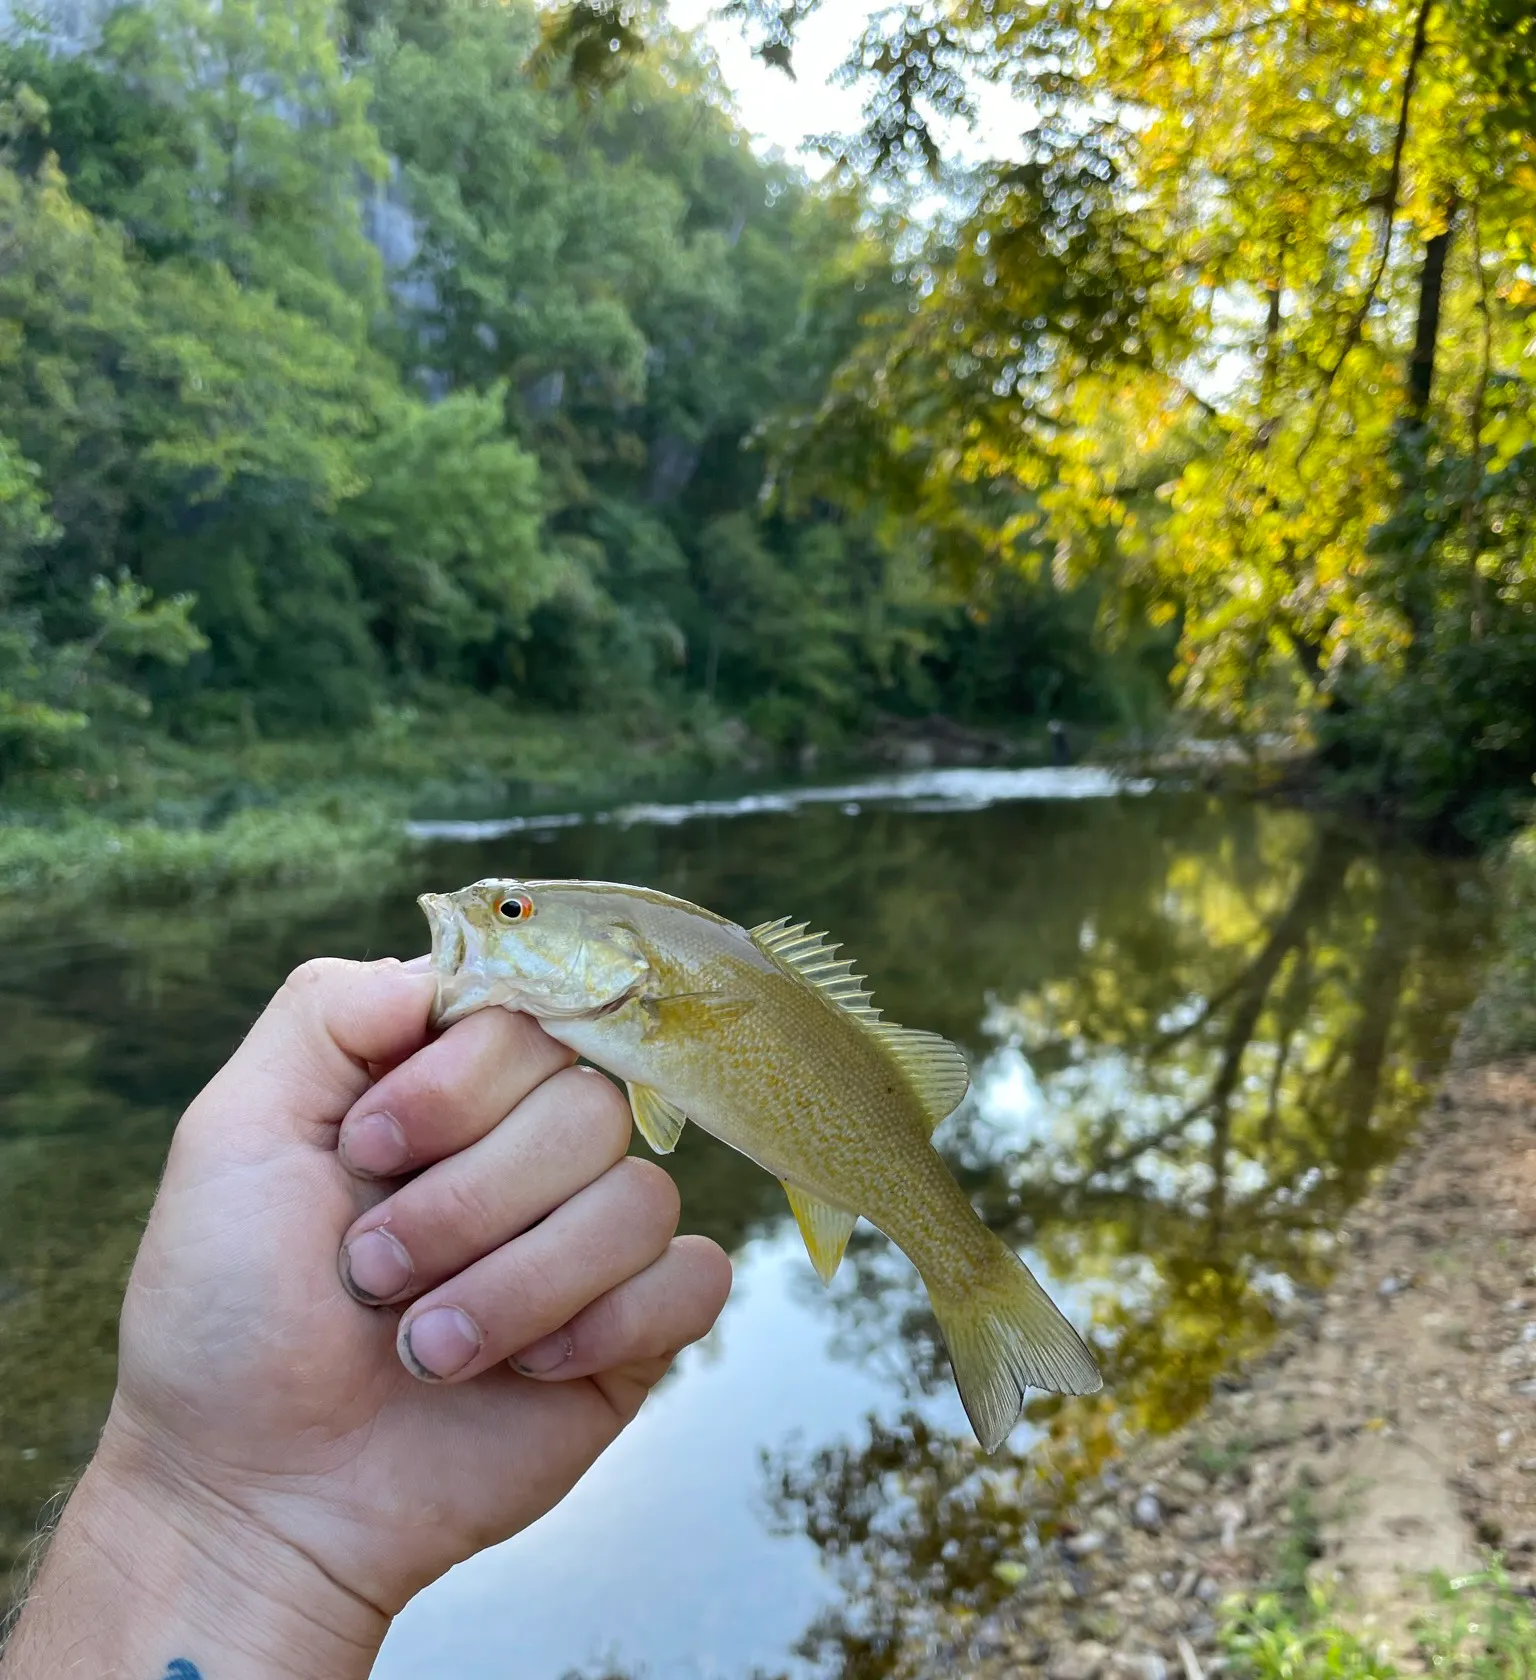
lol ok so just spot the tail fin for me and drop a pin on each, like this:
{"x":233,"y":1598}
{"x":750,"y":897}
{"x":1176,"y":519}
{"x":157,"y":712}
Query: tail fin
{"x":1004,"y":1336}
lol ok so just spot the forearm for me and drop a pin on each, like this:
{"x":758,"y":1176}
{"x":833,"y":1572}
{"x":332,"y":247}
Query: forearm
{"x":140,"y":1583}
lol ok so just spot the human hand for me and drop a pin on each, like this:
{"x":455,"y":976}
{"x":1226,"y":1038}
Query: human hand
{"x":271,"y":1411}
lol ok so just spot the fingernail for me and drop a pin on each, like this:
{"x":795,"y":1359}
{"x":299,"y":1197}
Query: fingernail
{"x":440,"y":1342}
{"x":373,"y":1145}
{"x":375,"y":1267}
{"x":419,"y":965}
{"x":547,"y":1354}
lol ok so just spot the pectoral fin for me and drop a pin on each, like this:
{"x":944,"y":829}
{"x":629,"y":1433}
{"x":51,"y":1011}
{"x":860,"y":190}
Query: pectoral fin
{"x":693,"y":1013}
{"x":826,"y":1229}
{"x":661,"y":1123}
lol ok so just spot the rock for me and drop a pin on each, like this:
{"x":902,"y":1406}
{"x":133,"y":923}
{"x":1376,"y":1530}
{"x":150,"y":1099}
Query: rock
{"x":1208,"y":1589}
{"x":1140,"y":1582}
{"x":1389,"y":1286}
{"x":1231,"y":1516}
{"x":1147,"y":1512}
{"x":1137,"y":1665}
{"x":1189,"y":1481}
{"x":1084,"y":1544}
{"x":1078,"y":1662}
{"x":1165,"y":1615}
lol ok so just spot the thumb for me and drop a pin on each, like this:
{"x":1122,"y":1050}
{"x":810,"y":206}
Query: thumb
{"x":306,"y":1060}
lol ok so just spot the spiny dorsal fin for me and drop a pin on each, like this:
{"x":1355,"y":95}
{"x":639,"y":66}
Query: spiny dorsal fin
{"x":826,"y":1229}
{"x":933,"y":1066}
{"x":661,"y":1123}
{"x":808,"y":956}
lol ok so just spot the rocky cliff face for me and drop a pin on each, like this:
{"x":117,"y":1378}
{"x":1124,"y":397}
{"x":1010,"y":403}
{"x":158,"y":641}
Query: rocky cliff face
{"x":73,"y":25}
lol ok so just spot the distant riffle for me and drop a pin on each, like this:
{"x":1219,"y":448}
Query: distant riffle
{"x":923,"y":790}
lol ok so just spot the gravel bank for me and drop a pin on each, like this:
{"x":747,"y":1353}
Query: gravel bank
{"x":1391,"y":1430}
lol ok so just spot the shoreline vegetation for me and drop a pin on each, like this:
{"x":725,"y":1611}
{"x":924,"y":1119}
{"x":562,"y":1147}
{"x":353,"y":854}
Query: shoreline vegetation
{"x":308,"y":811}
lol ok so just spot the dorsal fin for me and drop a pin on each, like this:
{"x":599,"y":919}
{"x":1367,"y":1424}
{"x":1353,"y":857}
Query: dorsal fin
{"x":808,"y":956}
{"x":932,"y":1065}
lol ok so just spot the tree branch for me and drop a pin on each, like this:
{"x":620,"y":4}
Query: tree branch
{"x":1389,"y":202}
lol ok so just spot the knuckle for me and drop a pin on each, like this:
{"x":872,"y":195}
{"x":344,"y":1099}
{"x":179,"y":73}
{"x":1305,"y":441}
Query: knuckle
{"x":426,"y":1082}
{"x":650,"y":1191}
{"x":595,"y":1103}
{"x":617,"y":1330}
{"x":457,"y":1202}
{"x":541,"y":1285}
{"x":712,"y":1267}
{"x":312,"y":976}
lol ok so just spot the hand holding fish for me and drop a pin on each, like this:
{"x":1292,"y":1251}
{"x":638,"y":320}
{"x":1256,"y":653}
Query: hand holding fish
{"x":276,"y":1478}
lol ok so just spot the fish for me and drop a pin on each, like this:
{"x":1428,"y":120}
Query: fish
{"x":764,"y":1038}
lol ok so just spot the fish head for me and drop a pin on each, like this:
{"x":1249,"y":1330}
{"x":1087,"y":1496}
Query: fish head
{"x":529,"y":945}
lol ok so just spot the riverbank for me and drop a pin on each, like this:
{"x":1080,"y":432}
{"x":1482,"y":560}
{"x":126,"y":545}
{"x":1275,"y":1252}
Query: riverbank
{"x":156,"y":816}
{"x":161,"y":815}
{"x":1386,"y":1439}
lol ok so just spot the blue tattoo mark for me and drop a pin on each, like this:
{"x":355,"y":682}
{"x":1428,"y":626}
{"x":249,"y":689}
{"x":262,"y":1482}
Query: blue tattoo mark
{"x":181,"y":1669}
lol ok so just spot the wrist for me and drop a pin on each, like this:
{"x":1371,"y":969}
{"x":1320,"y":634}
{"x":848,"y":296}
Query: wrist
{"x":150,"y":1568}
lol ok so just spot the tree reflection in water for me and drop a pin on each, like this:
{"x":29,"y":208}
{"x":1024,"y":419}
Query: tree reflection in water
{"x":1197,"y":1027}
{"x":1175,"y":1124}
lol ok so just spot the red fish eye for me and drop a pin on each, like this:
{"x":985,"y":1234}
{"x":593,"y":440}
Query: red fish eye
{"x":515,"y":907}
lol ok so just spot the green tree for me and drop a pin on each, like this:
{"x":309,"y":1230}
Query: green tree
{"x":1255,"y":278}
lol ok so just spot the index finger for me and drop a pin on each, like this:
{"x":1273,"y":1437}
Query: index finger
{"x":449,"y":1095}
{"x":307,"y":1058}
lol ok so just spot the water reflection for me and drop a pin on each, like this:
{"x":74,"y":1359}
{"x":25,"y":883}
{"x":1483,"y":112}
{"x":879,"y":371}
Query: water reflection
{"x":1177,"y":1120}
{"x":1196,"y":1029}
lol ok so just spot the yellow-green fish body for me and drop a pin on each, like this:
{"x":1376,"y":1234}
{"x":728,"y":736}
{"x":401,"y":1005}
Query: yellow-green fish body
{"x":767,"y":1041}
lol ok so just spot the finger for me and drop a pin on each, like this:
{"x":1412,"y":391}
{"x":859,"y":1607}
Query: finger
{"x":591,"y":1244}
{"x":306,"y":1060}
{"x":562,"y":1136}
{"x":647,"y":1318}
{"x":449,"y":1094}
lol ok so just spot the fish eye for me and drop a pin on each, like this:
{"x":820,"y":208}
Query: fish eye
{"x":515,"y":907}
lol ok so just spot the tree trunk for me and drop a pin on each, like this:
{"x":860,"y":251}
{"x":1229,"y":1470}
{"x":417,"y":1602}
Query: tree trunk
{"x":1421,"y":366}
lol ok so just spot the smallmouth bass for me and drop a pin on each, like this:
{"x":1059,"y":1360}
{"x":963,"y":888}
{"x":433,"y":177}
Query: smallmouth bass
{"x":766,"y":1040}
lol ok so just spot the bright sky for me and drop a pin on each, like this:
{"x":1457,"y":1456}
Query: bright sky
{"x":783,"y":113}
{"x":780,"y":111}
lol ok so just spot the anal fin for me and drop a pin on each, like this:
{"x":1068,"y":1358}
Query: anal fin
{"x":661,"y":1123}
{"x":826,"y":1229}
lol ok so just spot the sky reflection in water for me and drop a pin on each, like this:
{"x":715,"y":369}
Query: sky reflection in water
{"x":1196,"y":1029}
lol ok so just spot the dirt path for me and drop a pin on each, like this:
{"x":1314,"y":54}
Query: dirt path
{"x":1389,"y":1433}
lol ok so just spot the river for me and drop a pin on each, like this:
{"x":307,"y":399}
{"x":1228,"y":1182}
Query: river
{"x":1196,"y":1026}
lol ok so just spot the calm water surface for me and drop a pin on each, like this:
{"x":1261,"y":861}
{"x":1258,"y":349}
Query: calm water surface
{"x":1196,"y":1028}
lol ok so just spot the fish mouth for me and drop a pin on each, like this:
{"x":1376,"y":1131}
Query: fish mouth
{"x":448,"y":946}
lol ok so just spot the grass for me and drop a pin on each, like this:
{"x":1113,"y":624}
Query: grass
{"x":253,"y":847}
{"x":1476,"y":1628}
{"x":1215,"y":1459}
{"x":150,"y":815}
{"x":1299,"y":1550}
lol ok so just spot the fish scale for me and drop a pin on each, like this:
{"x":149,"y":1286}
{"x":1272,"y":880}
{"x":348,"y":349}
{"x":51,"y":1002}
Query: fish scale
{"x":769,"y":1041}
